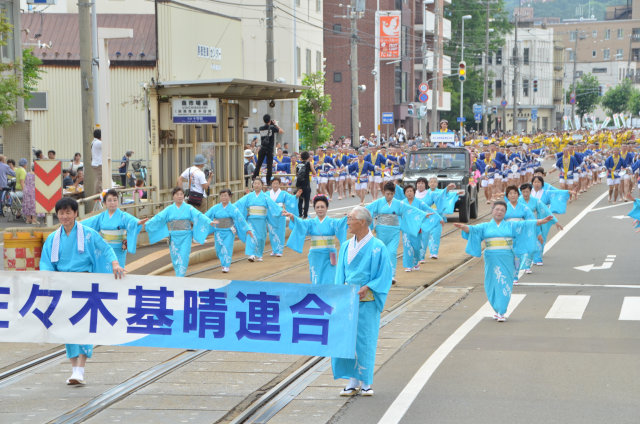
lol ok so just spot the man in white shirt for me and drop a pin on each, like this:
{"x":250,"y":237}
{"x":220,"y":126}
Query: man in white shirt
{"x":96,"y":160}
{"x":401,"y":134}
{"x":198,"y":183}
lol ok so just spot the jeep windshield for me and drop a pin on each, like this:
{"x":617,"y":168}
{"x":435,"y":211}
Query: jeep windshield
{"x":436,"y":160}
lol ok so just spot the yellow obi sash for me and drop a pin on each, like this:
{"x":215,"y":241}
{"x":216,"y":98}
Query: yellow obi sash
{"x":257,"y":211}
{"x":498,"y":243}
{"x":322,"y":242}
{"x":113,"y":236}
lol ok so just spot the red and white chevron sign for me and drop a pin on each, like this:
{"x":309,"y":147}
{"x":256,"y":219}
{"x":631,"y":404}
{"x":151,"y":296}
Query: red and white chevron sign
{"x":48,"y":185}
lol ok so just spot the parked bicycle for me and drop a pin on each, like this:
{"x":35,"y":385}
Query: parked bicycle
{"x":11,"y":203}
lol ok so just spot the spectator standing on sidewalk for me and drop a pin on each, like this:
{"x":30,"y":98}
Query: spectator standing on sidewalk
{"x":267,"y":140}
{"x":96,"y":159}
{"x":198,"y":183}
{"x":124,"y":166}
{"x":76,"y":163}
{"x":303,"y":168}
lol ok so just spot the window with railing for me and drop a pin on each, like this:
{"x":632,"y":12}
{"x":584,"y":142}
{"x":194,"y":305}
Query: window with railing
{"x":620,"y":33}
{"x":635,"y":34}
{"x":619,"y":54}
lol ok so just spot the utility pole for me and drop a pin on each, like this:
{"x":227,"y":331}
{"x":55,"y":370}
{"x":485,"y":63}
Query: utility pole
{"x":464,"y":18}
{"x":86,"y":84}
{"x":270,"y":55}
{"x":573,"y":77}
{"x":353,"y":61}
{"x":485,"y":88}
{"x":515,"y":75}
{"x":424,"y":64}
{"x":436,"y":64}
{"x":503,"y":127}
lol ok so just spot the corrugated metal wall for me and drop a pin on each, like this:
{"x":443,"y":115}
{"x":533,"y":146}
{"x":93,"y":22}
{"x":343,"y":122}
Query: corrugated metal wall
{"x":59,"y":127}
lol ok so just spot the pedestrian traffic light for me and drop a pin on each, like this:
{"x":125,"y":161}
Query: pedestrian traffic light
{"x":462,"y":71}
{"x":410,"y":110}
{"x":535,"y":85}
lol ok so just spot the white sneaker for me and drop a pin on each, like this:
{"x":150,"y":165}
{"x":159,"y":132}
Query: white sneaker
{"x":75,"y":379}
{"x":258,"y":259}
{"x":225,"y":269}
{"x":251,"y":258}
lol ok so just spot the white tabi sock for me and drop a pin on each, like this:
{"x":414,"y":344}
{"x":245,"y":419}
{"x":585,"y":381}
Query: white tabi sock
{"x":365,"y":386}
{"x":81,"y":371}
{"x":74,"y":370}
{"x":353,"y":383}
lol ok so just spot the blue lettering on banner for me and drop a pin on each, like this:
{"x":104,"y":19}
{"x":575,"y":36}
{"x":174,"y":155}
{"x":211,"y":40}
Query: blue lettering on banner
{"x":264,"y":316}
{"x":4,"y":305}
{"x":94,"y":306}
{"x":42,"y":316}
{"x":150,"y":311}
{"x":244,"y":316}
{"x":209,"y":314}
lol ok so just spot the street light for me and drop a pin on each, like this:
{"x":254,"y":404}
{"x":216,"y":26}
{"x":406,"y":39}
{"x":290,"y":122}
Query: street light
{"x":464,"y":18}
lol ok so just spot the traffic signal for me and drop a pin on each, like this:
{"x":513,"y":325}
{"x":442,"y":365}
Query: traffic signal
{"x":535,"y":85}
{"x":462,"y":71}
{"x":410,"y":110}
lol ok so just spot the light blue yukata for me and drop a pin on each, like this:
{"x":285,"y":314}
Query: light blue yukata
{"x":414,"y":247}
{"x":541,"y":211}
{"x":323,"y":245}
{"x":635,"y":211}
{"x":442,"y":201}
{"x":230,"y":222}
{"x":499,"y":255}
{"x":369,"y":267}
{"x":278,"y":225}
{"x":83,"y":250}
{"x":119,"y":230}
{"x":259,"y":209}
{"x":181,"y":224}
{"x":391,"y":219}
{"x":520,"y":212}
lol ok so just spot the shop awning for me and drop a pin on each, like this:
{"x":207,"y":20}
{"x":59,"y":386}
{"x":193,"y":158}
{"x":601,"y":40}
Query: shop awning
{"x":235,"y":89}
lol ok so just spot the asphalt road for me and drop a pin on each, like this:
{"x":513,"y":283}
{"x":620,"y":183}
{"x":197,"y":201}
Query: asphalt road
{"x":568,"y":352}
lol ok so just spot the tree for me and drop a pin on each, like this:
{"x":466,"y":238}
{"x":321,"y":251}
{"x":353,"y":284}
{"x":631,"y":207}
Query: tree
{"x":312,"y":108}
{"x":587,"y":94}
{"x":10,"y":89}
{"x":617,"y":99}
{"x":633,"y":105}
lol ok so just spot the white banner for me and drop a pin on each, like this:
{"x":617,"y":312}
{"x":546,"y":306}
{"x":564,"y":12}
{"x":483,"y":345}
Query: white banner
{"x":443,"y":137}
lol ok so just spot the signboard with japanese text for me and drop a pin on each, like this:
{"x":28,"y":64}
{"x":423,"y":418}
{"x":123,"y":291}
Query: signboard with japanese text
{"x":389,"y":35}
{"x":173,"y":312}
{"x":443,"y":137}
{"x":194,"y":111}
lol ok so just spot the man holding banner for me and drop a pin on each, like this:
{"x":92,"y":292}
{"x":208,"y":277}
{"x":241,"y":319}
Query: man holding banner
{"x":363,"y":261}
{"x":76,"y":248}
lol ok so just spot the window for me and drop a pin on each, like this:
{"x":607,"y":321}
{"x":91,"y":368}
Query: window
{"x":619,"y":54}
{"x":337,"y":77}
{"x":525,"y":88}
{"x":499,"y":57}
{"x":337,"y":28}
{"x":398,"y":84}
{"x":594,"y":53}
{"x":308,"y":62}
{"x":498,"y":89}
{"x":606,"y":54}
{"x":572,"y":56}
{"x":525,"y":56}
{"x":405,"y":40}
{"x":405,"y":84}
{"x":318,"y":5}
{"x":6,"y":52}
{"x":299,"y":64}
{"x":635,"y":34}
{"x":600,"y":90}
{"x":594,"y":34}
{"x":620,"y":33}
{"x":607,"y":34}
{"x":599,"y":70}
{"x":572,"y":35}
{"x":39,"y":101}
{"x":319,"y":62}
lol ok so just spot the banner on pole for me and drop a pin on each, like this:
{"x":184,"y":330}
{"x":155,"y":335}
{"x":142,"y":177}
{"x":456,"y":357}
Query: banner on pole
{"x":172,"y":312}
{"x":389,"y":38}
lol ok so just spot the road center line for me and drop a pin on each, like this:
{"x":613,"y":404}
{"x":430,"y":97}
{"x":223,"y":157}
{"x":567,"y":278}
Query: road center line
{"x":403,"y":402}
{"x":610,"y":206}
{"x":603,"y":285}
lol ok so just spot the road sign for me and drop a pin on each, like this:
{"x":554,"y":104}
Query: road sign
{"x":534,"y":114}
{"x":422,"y":111}
{"x":572,"y":100}
{"x":477,"y":117}
{"x":424,"y":87}
{"x":48,"y":184}
{"x":387,"y":118}
{"x":461,"y":119}
{"x":503,"y":103}
{"x":423,"y":97}
{"x":477,"y":108}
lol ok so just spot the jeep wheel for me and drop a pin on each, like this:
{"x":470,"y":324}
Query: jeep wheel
{"x":473,"y":213}
{"x":463,"y":213}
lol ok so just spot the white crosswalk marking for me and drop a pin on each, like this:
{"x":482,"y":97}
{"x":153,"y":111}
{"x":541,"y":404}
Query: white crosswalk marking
{"x":568,"y":307}
{"x":630,"y":310}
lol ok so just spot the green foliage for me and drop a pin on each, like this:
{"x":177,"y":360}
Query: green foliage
{"x":633,"y":105}
{"x":587,"y":94}
{"x":312,"y":108}
{"x":10,"y":89}
{"x":618,"y":98}
{"x":474,"y":47}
